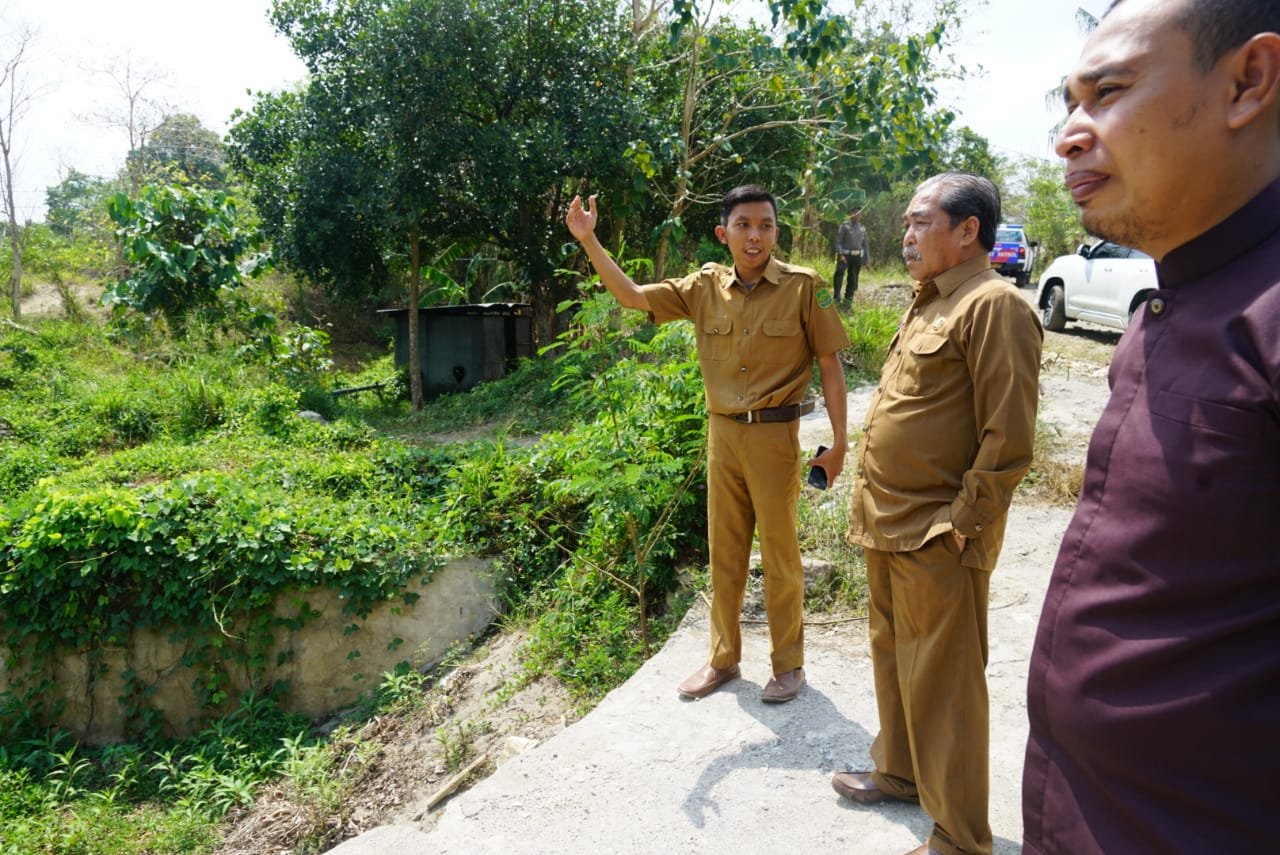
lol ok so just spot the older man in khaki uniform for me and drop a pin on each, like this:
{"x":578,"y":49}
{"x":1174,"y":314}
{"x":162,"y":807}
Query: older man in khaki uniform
{"x":947,"y":437}
{"x":759,"y":325}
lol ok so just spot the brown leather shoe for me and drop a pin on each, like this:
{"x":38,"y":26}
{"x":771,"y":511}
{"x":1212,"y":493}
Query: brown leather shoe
{"x":861,"y":787}
{"x":706,"y":680}
{"x":783,"y":687}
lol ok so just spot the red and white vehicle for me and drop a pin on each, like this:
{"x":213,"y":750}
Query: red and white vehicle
{"x":1014,"y":255}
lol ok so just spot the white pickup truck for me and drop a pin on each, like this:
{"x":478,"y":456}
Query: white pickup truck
{"x":1102,"y":284}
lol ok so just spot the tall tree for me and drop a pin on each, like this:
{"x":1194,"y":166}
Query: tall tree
{"x":722,"y":110}
{"x":1051,"y":217}
{"x":180,"y":150}
{"x":430,"y":122}
{"x":140,"y":109}
{"x":875,"y":105}
{"x":969,"y":151}
{"x":809,"y":113}
{"x":15,"y":98}
{"x":69,"y":204}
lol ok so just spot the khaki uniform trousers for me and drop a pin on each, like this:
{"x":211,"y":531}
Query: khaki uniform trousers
{"x":753,"y":484}
{"x":928,"y":626}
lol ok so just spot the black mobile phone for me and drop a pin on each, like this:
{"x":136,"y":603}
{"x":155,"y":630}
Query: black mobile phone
{"x":818,"y":475}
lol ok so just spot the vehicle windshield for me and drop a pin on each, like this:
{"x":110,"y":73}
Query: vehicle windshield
{"x":1008,"y":235}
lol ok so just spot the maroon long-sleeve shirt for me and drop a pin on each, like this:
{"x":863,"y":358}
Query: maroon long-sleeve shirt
{"x":1154,"y":691}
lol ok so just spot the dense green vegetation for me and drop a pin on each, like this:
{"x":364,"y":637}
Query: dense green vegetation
{"x":156,"y":481}
{"x":155,"y":472}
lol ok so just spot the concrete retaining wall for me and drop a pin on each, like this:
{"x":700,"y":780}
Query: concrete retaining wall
{"x":326,"y":666}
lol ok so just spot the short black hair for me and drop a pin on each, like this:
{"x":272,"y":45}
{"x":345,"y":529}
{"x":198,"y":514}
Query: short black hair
{"x":1219,"y":26}
{"x":963,"y":195}
{"x":745,"y":193}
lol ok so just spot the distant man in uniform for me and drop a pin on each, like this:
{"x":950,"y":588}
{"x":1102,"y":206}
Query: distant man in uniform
{"x":1154,"y":687}
{"x":759,"y":326}
{"x":947,"y":437}
{"x":852,"y":252}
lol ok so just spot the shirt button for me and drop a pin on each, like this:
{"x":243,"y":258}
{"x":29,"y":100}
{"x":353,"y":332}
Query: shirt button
{"x":746,"y":332}
{"x":716,"y":330}
{"x":739,"y":397}
{"x":1157,"y":305}
{"x":977,"y":526}
{"x":916,"y":310}
{"x":743,"y":369}
{"x":866,"y":428}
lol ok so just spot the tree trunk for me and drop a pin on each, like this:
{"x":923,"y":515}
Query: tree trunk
{"x":810,"y":240}
{"x":16,"y":104}
{"x":15,"y":245}
{"x":660,"y":255}
{"x":415,"y":291}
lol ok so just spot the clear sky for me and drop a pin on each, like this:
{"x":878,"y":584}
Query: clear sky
{"x":208,"y":55}
{"x":1025,"y":47}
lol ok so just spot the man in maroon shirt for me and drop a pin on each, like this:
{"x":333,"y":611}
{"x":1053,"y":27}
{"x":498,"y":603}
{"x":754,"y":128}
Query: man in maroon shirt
{"x":1154,"y":688}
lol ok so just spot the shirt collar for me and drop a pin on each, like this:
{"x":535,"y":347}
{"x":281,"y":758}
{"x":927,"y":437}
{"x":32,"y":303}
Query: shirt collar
{"x":772,"y":273}
{"x":948,"y":281}
{"x":1230,"y":239}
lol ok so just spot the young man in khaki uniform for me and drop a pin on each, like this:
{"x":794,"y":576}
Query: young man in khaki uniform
{"x":947,"y":437}
{"x":759,"y":325}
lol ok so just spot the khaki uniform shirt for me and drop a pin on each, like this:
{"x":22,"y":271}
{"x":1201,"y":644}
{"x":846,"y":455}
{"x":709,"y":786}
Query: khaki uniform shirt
{"x":756,"y":347}
{"x":950,"y":428}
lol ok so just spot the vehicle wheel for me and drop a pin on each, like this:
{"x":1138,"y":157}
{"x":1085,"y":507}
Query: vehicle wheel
{"x":1022,"y":279}
{"x":1055,"y":316}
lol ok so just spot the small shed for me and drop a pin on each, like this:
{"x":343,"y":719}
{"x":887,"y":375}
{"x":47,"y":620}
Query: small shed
{"x":462,"y":346}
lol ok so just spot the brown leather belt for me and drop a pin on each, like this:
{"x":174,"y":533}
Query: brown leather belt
{"x":774,"y":414}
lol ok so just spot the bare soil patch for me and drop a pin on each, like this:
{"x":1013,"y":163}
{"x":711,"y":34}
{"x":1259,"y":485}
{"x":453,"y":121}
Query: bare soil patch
{"x":399,"y":765}
{"x":47,"y":300}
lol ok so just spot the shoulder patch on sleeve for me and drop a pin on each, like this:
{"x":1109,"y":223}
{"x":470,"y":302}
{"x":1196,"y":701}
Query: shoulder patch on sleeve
{"x":824,"y":297}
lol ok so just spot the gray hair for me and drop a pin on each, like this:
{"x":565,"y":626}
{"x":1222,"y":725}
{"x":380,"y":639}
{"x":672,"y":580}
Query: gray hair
{"x":963,"y":195}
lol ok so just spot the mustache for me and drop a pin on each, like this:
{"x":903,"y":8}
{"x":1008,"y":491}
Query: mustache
{"x":910,"y":253}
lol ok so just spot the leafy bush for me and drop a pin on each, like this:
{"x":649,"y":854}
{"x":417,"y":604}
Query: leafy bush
{"x":185,"y":247}
{"x":22,"y":465}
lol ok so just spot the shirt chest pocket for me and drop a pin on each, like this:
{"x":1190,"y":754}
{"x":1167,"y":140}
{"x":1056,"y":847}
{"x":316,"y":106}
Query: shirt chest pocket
{"x":714,"y":342}
{"x":924,"y":364}
{"x":783,"y":341}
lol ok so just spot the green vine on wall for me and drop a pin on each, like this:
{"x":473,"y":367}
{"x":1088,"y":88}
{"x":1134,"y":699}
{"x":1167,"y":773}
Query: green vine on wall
{"x":203,"y":557}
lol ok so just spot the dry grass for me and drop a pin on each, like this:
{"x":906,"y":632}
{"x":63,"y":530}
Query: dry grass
{"x":1057,"y":473}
